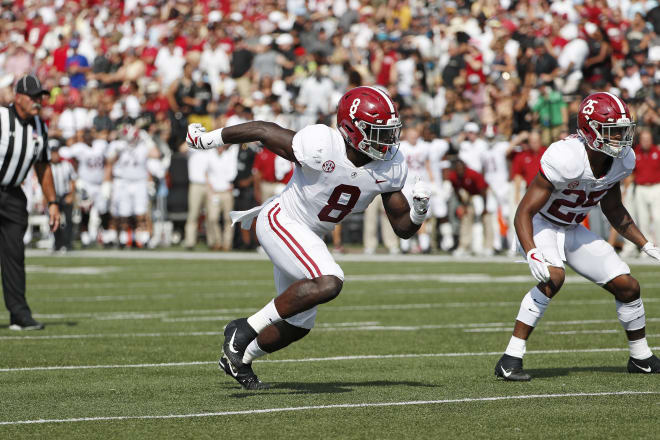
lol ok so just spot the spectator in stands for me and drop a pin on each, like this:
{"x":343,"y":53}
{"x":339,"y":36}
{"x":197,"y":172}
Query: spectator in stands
{"x":444,"y":64}
{"x":647,"y":185}
{"x":198,"y":194}
{"x":552,"y":113}
{"x":77,"y":65}
{"x":471,"y":191}
{"x":221,"y":173}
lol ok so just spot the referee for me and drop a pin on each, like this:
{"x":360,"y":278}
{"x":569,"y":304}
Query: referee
{"x":23,"y":142}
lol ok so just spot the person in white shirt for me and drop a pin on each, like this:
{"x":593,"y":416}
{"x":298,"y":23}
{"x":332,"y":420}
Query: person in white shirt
{"x":442,"y":189}
{"x":416,"y":152}
{"x":126,"y":166}
{"x":570,"y":60}
{"x":222,"y":169}
{"x":89,"y":160}
{"x":496,"y":173}
{"x":472,"y":147}
{"x":169,"y":62}
{"x":198,"y":164}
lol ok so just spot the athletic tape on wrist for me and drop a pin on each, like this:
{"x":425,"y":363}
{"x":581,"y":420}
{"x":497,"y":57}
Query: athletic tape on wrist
{"x":416,"y":218}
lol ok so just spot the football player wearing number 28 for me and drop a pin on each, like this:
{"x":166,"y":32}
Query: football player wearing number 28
{"x":577,"y":173}
{"x":337,"y":171}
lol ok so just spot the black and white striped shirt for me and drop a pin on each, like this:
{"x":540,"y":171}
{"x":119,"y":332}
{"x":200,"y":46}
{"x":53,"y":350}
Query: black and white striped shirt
{"x":63,"y":175}
{"x":22,"y":143}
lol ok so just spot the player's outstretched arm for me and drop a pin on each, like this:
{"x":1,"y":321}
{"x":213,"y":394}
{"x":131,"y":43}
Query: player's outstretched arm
{"x":536,"y":196}
{"x":277,"y":139}
{"x":620,"y":218}
{"x":407,"y":220}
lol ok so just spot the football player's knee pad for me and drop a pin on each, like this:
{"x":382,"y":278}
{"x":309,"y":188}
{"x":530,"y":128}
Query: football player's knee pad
{"x":631,"y":314}
{"x":532,"y":307}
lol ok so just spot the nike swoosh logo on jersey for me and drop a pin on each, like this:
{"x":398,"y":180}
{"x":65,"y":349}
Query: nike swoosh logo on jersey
{"x":231,"y":343}
{"x":646,"y":370}
{"x":534,"y":257}
{"x":381,"y":181}
{"x":505,"y":372}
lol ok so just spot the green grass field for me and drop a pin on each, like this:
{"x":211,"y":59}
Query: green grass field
{"x":407,"y":351}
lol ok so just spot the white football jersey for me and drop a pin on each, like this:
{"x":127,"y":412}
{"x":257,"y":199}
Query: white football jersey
{"x":132,"y":158}
{"x":495,"y":168}
{"x":416,"y":158}
{"x":90,"y":160}
{"x":566,"y":165}
{"x":326,"y":187}
{"x":472,"y":154}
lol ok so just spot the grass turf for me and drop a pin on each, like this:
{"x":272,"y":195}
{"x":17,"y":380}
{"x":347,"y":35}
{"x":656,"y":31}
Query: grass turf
{"x":452,"y":319}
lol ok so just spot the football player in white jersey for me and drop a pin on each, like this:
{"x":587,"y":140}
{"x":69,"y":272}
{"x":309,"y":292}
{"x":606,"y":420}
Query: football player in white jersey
{"x":126,"y":166}
{"x":576,"y":174}
{"x":89,"y":155}
{"x":337,"y":171}
{"x":416,"y":153}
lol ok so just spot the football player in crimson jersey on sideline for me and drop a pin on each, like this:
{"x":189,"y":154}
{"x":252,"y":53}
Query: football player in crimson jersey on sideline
{"x":337,"y":171}
{"x":576,"y":174}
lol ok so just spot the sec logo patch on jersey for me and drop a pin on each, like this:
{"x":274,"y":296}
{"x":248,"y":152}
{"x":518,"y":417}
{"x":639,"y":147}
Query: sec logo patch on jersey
{"x":573,"y":185}
{"x":328,"y":166}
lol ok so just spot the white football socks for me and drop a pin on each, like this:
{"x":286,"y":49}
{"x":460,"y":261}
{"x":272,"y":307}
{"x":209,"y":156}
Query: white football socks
{"x":516,"y":347}
{"x":252,"y":352}
{"x":639,"y":349}
{"x":264,"y":317}
{"x":424,"y":241}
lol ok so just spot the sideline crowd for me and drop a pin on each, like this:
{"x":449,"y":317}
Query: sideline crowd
{"x":483,"y":87}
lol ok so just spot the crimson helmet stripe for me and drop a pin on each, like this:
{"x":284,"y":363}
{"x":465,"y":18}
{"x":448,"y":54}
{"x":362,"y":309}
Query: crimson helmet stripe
{"x":618,"y":101}
{"x":386,"y":97}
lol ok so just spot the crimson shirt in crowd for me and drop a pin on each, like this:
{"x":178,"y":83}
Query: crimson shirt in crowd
{"x":473,"y":182}
{"x":264,"y":162}
{"x":647,"y":168}
{"x":59,"y":58}
{"x":527,"y":164}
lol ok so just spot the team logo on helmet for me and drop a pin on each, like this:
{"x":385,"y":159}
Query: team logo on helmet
{"x":605,"y":124}
{"x":368,"y":120}
{"x":328,"y":166}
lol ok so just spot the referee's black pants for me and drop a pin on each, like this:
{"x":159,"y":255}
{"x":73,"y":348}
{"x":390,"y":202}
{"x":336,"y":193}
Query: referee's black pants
{"x":13,"y":223}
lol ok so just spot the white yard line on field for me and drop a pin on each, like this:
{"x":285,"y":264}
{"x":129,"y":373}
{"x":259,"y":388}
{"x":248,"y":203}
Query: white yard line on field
{"x":329,"y":308}
{"x":77,"y":270}
{"x":316,"y":359}
{"x":493,"y":327}
{"x":254,"y":256}
{"x":336,"y":406}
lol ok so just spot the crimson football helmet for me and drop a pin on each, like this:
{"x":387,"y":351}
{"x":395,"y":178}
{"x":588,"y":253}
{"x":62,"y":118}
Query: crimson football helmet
{"x":604,"y":122}
{"x":369,"y":121}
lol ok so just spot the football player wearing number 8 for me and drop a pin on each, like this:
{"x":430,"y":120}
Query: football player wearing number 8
{"x":577,"y":173}
{"x":337,"y":171}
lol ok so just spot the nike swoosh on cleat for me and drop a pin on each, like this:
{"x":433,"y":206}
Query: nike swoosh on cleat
{"x":506,"y":373}
{"x":231,"y":368}
{"x":646,"y":370}
{"x":381,"y":181}
{"x":231,"y":343}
